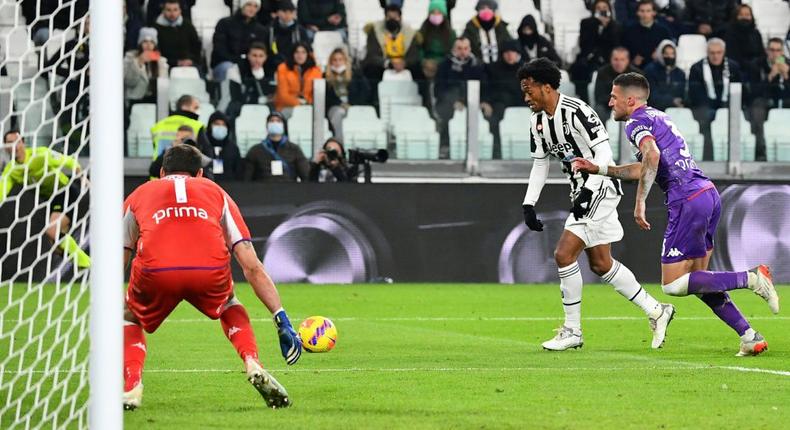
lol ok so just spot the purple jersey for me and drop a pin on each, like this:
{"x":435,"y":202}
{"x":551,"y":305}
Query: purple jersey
{"x":678,"y":174}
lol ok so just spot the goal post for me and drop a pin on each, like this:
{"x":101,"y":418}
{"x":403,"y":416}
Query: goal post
{"x":106,"y":161}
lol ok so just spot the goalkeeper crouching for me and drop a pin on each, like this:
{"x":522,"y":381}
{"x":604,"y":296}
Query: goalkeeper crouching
{"x":44,"y":167}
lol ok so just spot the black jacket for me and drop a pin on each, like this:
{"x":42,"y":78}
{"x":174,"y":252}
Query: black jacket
{"x":698,"y":94}
{"x":713,"y":12}
{"x":233,"y":37}
{"x":665,"y":86}
{"x":359,"y":92}
{"x":774,"y":91}
{"x":451,"y":78}
{"x":282,"y":40}
{"x":472,"y":31}
{"x":249,"y":90}
{"x":501,"y":85}
{"x":545,"y":49}
{"x":643,"y":41}
{"x":226,"y":150}
{"x":258,"y":162}
{"x":178,"y":43}
{"x":595,"y":47}
{"x":341,"y":173}
{"x":744,"y":44}
{"x":603,"y":83}
{"x":316,"y":12}
{"x":154,"y":8}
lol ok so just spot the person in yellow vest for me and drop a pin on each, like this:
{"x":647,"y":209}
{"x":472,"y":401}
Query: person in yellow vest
{"x":44,"y":167}
{"x":164,"y":132}
{"x":392,"y":44}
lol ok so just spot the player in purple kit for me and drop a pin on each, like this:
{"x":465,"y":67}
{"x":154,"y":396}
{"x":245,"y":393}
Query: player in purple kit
{"x":693,"y":206}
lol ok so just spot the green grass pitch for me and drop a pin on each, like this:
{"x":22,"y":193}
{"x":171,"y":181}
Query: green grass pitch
{"x":468,"y":356}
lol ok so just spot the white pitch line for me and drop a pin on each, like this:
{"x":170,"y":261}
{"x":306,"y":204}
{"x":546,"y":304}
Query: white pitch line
{"x":756,"y":370}
{"x":439,"y":319}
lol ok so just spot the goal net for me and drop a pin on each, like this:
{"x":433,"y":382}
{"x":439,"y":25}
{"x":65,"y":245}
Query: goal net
{"x":44,"y":290}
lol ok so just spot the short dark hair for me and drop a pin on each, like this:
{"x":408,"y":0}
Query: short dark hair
{"x":541,"y":70}
{"x":775,"y":40}
{"x":182,"y":158}
{"x":632,"y":80}
{"x":183,"y":101}
{"x":393,"y":8}
{"x":652,"y":4}
{"x":260,"y":46}
{"x":186,"y":128}
{"x":13,"y":131}
{"x":172,"y":1}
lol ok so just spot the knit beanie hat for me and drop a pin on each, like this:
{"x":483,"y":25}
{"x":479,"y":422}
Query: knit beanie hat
{"x":438,"y":4}
{"x":148,"y":33}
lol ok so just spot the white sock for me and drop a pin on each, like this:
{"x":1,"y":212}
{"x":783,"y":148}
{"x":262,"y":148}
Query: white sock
{"x":571,"y":287}
{"x":748,"y":335}
{"x":625,"y":283}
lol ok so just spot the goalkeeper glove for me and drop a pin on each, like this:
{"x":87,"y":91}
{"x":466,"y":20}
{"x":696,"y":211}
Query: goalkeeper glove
{"x":531,"y":219}
{"x":290,"y":343}
{"x":581,"y":204}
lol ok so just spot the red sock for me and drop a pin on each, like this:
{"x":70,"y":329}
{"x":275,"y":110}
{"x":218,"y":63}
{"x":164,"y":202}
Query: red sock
{"x":133,"y":355}
{"x":236,"y":326}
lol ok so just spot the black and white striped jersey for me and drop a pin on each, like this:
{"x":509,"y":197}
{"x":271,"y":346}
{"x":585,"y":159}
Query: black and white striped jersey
{"x":575,"y":130}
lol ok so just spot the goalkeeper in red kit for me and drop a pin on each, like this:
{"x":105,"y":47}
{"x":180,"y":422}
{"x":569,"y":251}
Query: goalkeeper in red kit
{"x":182,"y":230}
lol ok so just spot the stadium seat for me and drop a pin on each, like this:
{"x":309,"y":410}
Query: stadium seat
{"x":184,"y":73}
{"x":514,"y":132}
{"x":689,"y":129}
{"x":691,"y":48}
{"x":358,"y":14}
{"x":363,"y":129}
{"x":613,"y":130}
{"x":464,"y":11}
{"x":777,"y":135}
{"x":362,"y":112}
{"x":11,"y":14}
{"x":17,"y":52}
{"x":191,"y":86}
{"x":251,"y":126}
{"x":35,"y":118}
{"x":138,"y":135}
{"x":415,"y":12}
{"x":392,"y":93}
{"x":206,"y":14}
{"x":324,"y":43}
{"x":566,"y":86}
{"x":720,"y":132}
{"x":415,"y":134}
{"x":772,"y":18}
{"x":392,"y":75}
{"x":205,"y":111}
{"x":513,"y":11}
{"x":458,"y":133}
{"x":565,"y":17}
{"x":55,"y":44}
{"x":300,"y":129}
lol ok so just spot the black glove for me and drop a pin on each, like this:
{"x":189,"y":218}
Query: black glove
{"x":531,"y":219}
{"x":581,"y":204}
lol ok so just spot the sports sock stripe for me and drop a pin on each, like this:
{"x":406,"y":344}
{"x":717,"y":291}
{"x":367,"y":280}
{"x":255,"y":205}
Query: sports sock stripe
{"x":572,"y":304}
{"x":612,"y":273}
{"x":570,"y":273}
{"x":637,"y":293}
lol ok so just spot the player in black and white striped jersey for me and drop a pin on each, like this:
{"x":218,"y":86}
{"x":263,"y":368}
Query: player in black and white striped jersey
{"x":564,"y":127}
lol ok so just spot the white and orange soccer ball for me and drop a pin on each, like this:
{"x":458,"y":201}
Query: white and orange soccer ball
{"x":318,"y":334}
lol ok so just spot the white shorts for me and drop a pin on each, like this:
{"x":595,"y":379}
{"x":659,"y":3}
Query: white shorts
{"x":601,"y":225}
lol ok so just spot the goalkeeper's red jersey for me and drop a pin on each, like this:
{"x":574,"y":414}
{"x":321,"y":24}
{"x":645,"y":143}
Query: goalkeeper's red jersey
{"x":182,"y":223}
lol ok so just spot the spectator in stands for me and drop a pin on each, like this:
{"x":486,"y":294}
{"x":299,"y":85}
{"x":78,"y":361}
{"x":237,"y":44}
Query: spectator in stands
{"x":133,"y":22}
{"x":323,"y":15}
{"x":276,"y":159}
{"x":250,"y":81}
{"x":668,"y":14}
{"x":667,"y":81}
{"x":178,"y":39}
{"x":487,"y":32}
{"x":709,"y":88}
{"x":450,"y":89}
{"x":233,"y":36}
{"x":743,"y":39}
{"x":706,"y":17}
{"x":641,"y":38}
{"x":226,"y":164}
{"x":155,"y":7}
{"x":500,"y":90}
{"x":384,"y":3}
{"x":268,"y":12}
{"x":770,"y":89}
{"x":619,"y":62}
{"x":285,"y":33}
{"x":391,"y":45}
{"x":344,"y":87}
{"x":330,"y":164}
{"x":532,"y":44}
{"x":186,"y":113}
{"x":437,"y":37}
{"x":41,"y":14}
{"x":295,"y":80}
{"x":598,"y":35}
{"x":142,"y":67}
{"x":183,"y":136}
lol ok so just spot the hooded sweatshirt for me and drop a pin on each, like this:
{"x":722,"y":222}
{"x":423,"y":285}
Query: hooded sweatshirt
{"x":534,"y":45}
{"x":226,"y":152}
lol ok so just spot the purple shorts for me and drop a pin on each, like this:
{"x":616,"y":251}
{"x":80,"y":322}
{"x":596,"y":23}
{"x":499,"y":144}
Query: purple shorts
{"x":691,"y":227}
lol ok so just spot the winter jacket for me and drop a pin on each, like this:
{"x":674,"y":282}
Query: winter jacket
{"x":243,"y":88}
{"x":698,"y":94}
{"x":535,"y":44}
{"x":490,"y":40}
{"x":225,"y":150}
{"x":501,"y":85}
{"x":233,"y":36}
{"x":595,"y":44}
{"x":179,"y":42}
{"x":775,"y":91}
{"x":744,"y":44}
{"x":258,"y":162}
{"x":282,"y":40}
{"x":451,"y":77}
{"x":713,"y":12}
{"x":316,"y":12}
{"x":359,"y":92}
{"x":376,"y":34}
{"x":437,"y":42}
{"x":139,"y":81}
{"x":603,"y":83}
{"x":291,"y":87}
{"x":641,"y":40}
{"x":665,"y":85}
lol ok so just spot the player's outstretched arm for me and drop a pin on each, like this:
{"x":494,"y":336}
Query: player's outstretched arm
{"x":626,"y":172}
{"x":262,"y":284}
{"x":650,"y":159}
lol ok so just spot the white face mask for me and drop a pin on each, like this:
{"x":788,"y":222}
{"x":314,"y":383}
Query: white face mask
{"x":339,"y":69}
{"x":258,"y":73}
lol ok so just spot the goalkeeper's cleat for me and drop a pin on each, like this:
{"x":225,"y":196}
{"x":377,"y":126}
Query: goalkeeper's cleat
{"x":756,"y":346}
{"x":763,"y":285}
{"x":133,"y":398}
{"x":272,"y":392}
{"x":566,"y":338}
{"x":659,"y":325}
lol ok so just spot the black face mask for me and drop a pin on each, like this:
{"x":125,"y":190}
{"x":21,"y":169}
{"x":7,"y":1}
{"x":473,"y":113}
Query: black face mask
{"x":669,"y":61}
{"x":392,"y":25}
{"x":528,"y":39}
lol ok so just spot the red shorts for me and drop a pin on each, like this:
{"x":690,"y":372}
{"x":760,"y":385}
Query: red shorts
{"x":154,"y":293}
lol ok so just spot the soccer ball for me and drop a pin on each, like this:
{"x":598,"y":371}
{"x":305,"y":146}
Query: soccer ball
{"x":318,"y":334}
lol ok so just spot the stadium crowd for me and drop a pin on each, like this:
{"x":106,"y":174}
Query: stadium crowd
{"x":262,"y":54}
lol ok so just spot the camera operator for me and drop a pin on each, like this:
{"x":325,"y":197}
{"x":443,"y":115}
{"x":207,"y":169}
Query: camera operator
{"x":330,"y":164}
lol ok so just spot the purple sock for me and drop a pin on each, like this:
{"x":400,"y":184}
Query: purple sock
{"x":725,"y":309}
{"x":703,"y":281}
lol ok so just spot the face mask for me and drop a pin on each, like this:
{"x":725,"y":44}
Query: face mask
{"x":486,"y":15}
{"x":275,"y":128}
{"x":392,"y":25}
{"x":436,"y":19}
{"x":669,"y":61}
{"x":338,"y":69}
{"x":258,"y":73}
{"x":219,"y":132}
{"x":286,"y":24}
